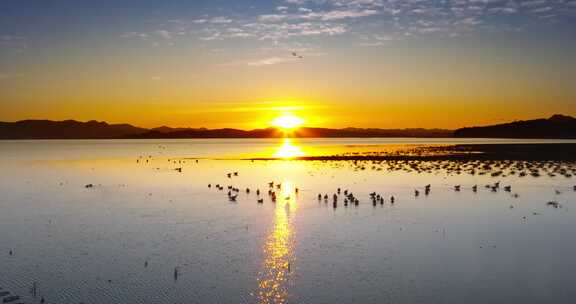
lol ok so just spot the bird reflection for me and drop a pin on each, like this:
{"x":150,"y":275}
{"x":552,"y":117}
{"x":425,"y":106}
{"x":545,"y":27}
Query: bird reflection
{"x":274,"y":279}
{"x":289,"y":150}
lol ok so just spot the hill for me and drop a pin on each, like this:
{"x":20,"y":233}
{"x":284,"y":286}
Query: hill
{"x":557,"y":126}
{"x":71,"y":129}
{"x":68,"y":129}
{"x":300,"y":133}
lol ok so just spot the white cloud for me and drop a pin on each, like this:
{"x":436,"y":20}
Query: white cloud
{"x":321,"y":15}
{"x":339,"y":14}
{"x":134,"y":35}
{"x":17,"y":43}
{"x":409,"y":18}
{"x":220,"y":19}
{"x":373,"y":43}
{"x":542,"y":9}
{"x":212,"y":36}
{"x":282,"y":31}
{"x":269,"y":61}
{"x":272,"y":18}
{"x":533,"y":3}
{"x":504,"y":10}
{"x":164,"y":34}
{"x":311,"y":20}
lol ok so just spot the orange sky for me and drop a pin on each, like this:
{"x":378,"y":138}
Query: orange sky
{"x":363,"y":64}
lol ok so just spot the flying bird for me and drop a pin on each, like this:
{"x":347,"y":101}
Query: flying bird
{"x":294,"y":54}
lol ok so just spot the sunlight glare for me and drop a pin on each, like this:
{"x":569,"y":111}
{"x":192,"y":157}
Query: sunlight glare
{"x":288,"y":150}
{"x":287,"y":122}
{"x":273,"y":280}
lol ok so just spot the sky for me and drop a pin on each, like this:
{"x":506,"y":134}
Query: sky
{"x":333,"y":63}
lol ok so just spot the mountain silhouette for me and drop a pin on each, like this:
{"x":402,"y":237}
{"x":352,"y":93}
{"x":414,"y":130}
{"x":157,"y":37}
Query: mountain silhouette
{"x":71,"y":129}
{"x":67,"y":129}
{"x":300,"y":133}
{"x":557,"y":126}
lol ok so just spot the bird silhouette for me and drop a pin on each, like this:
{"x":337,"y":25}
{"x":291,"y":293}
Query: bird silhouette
{"x":294,"y":54}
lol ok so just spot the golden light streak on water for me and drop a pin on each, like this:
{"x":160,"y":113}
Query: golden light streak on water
{"x":289,"y":150}
{"x":274,"y":279}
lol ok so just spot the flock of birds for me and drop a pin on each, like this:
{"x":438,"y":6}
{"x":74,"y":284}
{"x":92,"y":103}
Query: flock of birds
{"x":347,"y":197}
{"x":275,"y":191}
{"x":234,"y":191}
{"x":493,"y":168}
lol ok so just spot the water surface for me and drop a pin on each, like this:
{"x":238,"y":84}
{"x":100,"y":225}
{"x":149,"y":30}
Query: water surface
{"x":147,"y":233}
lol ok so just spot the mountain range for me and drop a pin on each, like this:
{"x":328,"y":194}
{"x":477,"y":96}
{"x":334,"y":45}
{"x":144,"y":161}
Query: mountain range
{"x":557,"y":126}
{"x":67,"y":129}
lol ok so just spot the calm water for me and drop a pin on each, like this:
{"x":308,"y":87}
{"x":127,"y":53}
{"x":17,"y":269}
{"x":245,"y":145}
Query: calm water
{"x":147,"y":233}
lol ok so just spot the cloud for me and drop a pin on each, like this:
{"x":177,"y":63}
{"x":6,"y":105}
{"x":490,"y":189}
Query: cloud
{"x":220,"y":19}
{"x":533,"y":3}
{"x":542,"y":9}
{"x":407,"y":18}
{"x":339,"y":14}
{"x":272,"y":18}
{"x":164,"y":34}
{"x":471,"y":21}
{"x":284,"y":31}
{"x":312,"y":20}
{"x":372,"y":43}
{"x":377,"y":40}
{"x":17,"y":43}
{"x":323,"y":15}
{"x":269,"y":61}
{"x":134,"y":35}
{"x":212,"y":36}
{"x":503,"y":10}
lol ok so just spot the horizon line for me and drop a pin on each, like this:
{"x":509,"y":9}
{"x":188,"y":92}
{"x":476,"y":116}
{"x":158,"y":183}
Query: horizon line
{"x":256,"y":129}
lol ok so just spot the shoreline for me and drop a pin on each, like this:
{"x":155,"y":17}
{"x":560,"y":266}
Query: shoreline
{"x":459,"y":152}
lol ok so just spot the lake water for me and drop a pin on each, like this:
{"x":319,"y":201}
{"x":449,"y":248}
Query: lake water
{"x":150,"y":230}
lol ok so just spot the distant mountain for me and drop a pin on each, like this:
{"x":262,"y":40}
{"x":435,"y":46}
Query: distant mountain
{"x":557,"y":126}
{"x":372,"y":132}
{"x":207,"y":133}
{"x":68,"y":129}
{"x":165,"y":129}
{"x":301,"y":133}
{"x":71,"y":129}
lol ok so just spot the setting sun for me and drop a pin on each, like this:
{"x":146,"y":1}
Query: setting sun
{"x":287,"y":121}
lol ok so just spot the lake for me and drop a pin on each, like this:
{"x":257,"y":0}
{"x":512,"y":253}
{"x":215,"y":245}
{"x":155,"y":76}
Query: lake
{"x":143,"y":221}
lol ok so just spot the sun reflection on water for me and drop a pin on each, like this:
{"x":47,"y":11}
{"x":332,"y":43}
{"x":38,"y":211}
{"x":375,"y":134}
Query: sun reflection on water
{"x":289,"y":150}
{"x":274,"y":279}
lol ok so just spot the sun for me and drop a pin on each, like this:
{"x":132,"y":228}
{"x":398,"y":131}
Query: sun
{"x":287,"y":122}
